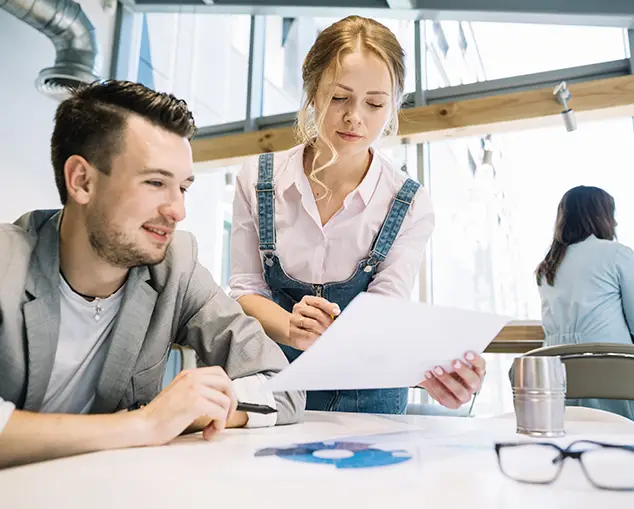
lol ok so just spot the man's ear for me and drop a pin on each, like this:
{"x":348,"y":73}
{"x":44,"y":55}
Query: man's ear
{"x":81,"y":179}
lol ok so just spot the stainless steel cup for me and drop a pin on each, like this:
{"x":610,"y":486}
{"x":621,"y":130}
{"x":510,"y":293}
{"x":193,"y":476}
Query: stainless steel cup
{"x":539,"y":395}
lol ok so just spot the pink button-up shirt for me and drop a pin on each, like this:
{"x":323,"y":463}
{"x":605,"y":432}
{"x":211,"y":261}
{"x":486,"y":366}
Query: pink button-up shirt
{"x":317,"y":254}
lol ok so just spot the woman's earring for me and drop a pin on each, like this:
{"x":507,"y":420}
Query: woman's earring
{"x":311,"y":124}
{"x":390,"y":128}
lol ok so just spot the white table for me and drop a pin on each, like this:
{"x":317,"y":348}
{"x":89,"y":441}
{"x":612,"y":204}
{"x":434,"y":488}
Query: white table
{"x":224,"y":474}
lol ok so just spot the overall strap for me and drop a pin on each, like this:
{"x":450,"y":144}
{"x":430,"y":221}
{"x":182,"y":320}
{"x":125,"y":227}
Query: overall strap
{"x":266,"y":203}
{"x":393,"y":221}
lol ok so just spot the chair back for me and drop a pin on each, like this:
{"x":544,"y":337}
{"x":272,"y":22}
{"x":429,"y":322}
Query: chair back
{"x":595,"y":370}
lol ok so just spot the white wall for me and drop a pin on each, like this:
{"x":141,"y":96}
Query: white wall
{"x":26,"y":115}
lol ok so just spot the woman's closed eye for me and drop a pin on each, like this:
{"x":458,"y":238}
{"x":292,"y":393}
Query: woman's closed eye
{"x":375,"y":106}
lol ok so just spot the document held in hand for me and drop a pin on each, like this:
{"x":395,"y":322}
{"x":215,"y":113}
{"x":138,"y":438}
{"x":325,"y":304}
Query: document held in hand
{"x":381,"y":342}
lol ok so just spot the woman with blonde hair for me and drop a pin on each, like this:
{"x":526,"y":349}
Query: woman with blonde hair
{"x":586,"y":281}
{"x":318,"y":224}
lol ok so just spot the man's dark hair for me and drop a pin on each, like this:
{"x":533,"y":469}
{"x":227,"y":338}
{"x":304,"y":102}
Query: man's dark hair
{"x":91,"y":123}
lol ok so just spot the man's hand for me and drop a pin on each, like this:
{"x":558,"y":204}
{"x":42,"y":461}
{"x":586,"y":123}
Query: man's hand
{"x":196,"y":394}
{"x":310,"y":318}
{"x":193,"y":394}
{"x":455,"y":389}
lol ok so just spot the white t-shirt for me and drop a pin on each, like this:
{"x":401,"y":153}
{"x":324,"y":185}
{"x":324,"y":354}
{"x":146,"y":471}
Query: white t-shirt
{"x":6,"y":409}
{"x":81,"y":350}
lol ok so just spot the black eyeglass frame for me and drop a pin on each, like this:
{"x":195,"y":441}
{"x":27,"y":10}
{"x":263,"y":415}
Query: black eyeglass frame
{"x":561,"y":458}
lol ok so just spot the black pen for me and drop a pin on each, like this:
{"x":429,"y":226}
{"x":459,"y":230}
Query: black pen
{"x":257,"y":409}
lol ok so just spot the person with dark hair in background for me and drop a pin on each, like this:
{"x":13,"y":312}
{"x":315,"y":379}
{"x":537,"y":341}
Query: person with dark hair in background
{"x":93,"y":296}
{"x":586,"y":281}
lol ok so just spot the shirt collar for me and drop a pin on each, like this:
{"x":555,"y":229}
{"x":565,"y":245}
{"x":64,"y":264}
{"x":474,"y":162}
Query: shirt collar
{"x":368,"y":185}
{"x":293,"y":175}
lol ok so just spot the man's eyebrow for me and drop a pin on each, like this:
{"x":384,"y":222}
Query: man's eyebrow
{"x":165,"y":173}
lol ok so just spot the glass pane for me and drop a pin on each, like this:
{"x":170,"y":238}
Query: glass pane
{"x":202,"y":58}
{"x":404,"y":158}
{"x":495,"y":222}
{"x":226,"y":256}
{"x":208,"y":204}
{"x":287,"y":43}
{"x":461,"y":52}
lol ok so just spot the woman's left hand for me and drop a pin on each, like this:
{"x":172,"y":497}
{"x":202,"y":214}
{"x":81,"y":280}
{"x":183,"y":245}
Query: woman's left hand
{"x":455,"y":389}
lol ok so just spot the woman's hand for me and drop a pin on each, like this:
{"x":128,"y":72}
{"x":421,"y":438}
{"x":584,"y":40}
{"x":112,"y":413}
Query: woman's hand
{"x":310,"y":318}
{"x":454,"y":389}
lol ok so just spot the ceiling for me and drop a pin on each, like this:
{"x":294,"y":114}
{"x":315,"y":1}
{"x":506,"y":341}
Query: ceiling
{"x":579,"y":12}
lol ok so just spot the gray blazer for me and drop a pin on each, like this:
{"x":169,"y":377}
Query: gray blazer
{"x":175,"y":301}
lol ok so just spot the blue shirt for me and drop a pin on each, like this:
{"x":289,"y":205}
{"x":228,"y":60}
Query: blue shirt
{"x":592,"y":300}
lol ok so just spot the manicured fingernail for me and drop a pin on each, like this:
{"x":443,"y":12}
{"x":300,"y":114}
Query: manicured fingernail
{"x":428,"y":375}
{"x":439,"y":370}
{"x":336,"y":311}
{"x":469,"y":356}
{"x":457,"y":365}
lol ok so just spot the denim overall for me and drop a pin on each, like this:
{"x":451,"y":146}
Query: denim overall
{"x":288,"y":291}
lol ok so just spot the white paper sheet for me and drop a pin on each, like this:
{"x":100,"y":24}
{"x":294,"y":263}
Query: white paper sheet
{"x":381,"y":342}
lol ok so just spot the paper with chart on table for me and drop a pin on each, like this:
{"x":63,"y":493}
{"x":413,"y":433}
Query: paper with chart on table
{"x":381,"y":342}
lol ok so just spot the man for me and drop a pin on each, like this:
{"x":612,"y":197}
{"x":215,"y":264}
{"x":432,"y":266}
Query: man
{"x":93,"y":296}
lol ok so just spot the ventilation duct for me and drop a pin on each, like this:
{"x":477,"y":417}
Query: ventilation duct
{"x":77,"y":58}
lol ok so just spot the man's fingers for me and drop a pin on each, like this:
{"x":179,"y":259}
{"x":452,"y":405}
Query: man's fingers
{"x":212,"y":429}
{"x":214,"y":411}
{"x":211,"y":380}
{"x":216,"y":397}
{"x":219,"y":383}
{"x":213,"y":370}
{"x":209,"y":431}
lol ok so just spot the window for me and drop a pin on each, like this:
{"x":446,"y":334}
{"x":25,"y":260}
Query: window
{"x":403,"y":158}
{"x":439,"y":38}
{"x":287,"y":43}
{"x":462,"y":39}
{"x":226,"y":255}
{"x":494,"y":226}
{"x":202,"y":58}
{"x":495,"y":222}
{"x":209,"y":209}
{"x":467,"y":52}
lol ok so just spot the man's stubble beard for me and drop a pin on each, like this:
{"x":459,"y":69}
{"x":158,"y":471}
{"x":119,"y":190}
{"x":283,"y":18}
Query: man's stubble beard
{"x":112,"y":246}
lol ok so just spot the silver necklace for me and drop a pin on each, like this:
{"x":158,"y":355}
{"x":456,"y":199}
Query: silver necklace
{"x":98,"y":309}
{"x":89,"y":298}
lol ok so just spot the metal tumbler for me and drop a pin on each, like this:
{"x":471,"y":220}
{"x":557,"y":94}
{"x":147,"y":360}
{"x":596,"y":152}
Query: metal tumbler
{"x":539,"y":395}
